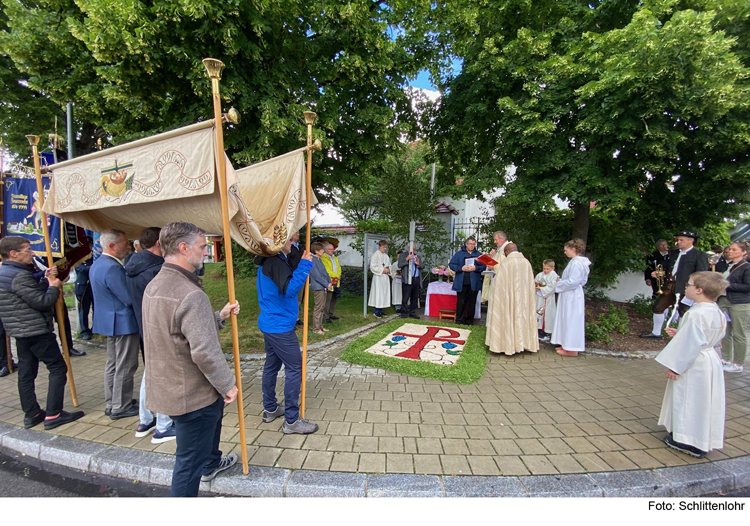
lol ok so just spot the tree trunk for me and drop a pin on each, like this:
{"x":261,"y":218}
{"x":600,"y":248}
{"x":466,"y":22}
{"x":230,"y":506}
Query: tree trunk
{"x":581,"y":216}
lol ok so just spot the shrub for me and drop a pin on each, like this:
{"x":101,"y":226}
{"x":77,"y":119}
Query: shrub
{"x":642,"y":305}
{"x":596,"y":295}
{"x":614,"y":320}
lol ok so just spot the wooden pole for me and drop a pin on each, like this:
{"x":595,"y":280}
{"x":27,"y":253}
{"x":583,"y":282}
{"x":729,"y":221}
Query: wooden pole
{"x":2,"y":231}
{"x":60,"y":305}
{"x":213,"y":68}
{"x":309,"y":120}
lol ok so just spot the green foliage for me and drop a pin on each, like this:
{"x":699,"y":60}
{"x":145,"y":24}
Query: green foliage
{"x":468,"y":369}
{"x":593,"y":294}
{"x":353,"y":281}
{"x":393,"y":195}
{"x":243,"y":262}
{"x":595,"y":333}
{"x":134,"y":69}
{"x":614,"y":320}
{"x":642,"y":305}
{"x":640,"y":107}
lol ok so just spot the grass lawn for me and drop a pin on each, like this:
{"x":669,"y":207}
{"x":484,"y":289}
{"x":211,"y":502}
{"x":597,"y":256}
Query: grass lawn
{"x":348,"y":309}
{"x":468,"y":369}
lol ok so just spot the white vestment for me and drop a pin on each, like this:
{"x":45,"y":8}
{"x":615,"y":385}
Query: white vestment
{"x":380,"y":291}
{"x":570,"y":321}
{"x":693,"y":407}
{"x":545,"y":301}
{"x":511,"y":320}
{"x":396,"y":284}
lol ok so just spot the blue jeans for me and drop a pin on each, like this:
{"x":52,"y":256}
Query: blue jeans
{"x":282,"y":348}
{"x":145,"y":416}
{"x":378,"y":311}
{"x":198,"y":435}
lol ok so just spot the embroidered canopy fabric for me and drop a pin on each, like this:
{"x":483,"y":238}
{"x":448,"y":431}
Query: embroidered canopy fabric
{"x":172,"y":177}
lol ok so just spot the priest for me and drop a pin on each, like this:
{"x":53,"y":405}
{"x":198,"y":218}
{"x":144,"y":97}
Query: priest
{"x":511,"y":320}
{"x":380,"y":291}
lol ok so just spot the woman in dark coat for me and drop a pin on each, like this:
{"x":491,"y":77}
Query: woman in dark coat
{"x":736,"y":304}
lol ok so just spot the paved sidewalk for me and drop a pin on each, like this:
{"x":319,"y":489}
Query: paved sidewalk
{"x":531,"y":414}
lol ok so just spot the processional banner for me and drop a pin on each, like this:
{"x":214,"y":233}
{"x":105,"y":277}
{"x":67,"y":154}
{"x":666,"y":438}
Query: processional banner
{"x":172,"y":177}
{"x":22,"y":215}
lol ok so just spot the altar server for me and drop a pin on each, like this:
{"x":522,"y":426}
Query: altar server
{"x":546,"y":306}
{"x":570,"y":320}
{"x":693,"y":408}
{"x":380,"y":291}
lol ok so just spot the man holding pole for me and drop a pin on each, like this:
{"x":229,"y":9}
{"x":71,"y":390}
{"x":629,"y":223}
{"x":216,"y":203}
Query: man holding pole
{"x":26,"y":310}
{"x":187,"y":376}
{"x":278,"y":287}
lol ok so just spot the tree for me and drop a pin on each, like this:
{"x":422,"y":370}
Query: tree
{"x":134,"y":68}
{"x":393,"y":195}
{"x":640,"y":107}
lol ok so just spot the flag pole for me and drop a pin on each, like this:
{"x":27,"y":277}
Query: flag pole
{"x":2,"y":176}
{"x":310,"y":117}
{"x":213,"y":69}
{"x":60,"y":304}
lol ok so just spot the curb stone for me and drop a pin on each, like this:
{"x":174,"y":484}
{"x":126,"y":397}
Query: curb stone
{"x":40,"y":449}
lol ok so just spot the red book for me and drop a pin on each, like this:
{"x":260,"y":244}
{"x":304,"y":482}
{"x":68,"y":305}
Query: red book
{"x":486,"y":260}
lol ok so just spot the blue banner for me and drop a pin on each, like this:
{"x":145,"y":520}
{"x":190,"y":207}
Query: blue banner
{"x":22,"y":215}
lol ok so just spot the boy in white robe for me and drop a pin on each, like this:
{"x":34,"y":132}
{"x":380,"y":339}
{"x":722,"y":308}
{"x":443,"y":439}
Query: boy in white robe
{"x":693,"y":409}
{"x":546,"y":306}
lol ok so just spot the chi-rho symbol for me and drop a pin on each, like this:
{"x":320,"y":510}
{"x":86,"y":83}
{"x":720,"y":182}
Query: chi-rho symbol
{"x":427,"y":343}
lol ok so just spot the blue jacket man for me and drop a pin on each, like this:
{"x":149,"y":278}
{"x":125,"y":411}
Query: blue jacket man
{"x":468,"y":281}
{"x":114,"y":318}
{"x":278,"y":286}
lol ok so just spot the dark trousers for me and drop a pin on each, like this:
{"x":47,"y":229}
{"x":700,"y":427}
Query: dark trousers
{"x":666,"y":300}
{"x":85,"y":305}
{"x":3,"y":347}
{"x":282,"y":349}
{"x":31,"y":351}
{"x":198,"y":435}
{"x":409,"y":292}
{"x":466,"y":304}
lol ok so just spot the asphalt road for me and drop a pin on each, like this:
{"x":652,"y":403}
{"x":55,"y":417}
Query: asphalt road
{"x":21,"y":480}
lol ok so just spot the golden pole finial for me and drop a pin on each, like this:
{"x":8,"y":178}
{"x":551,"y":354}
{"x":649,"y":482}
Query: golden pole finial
{"x":310,"y":117}
{"x":33,"y":139}
{"x":232,"y":116}
{"x":213,"y":67}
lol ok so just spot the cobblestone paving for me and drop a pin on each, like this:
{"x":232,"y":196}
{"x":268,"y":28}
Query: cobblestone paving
{"x":530,"y":414}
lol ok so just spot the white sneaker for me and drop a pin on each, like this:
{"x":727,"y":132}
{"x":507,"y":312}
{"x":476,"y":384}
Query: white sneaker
{"x":733,"y":368}
{"x":724,"y":362}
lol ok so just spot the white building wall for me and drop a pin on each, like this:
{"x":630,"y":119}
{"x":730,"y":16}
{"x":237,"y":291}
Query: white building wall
{"x":628,"y":285}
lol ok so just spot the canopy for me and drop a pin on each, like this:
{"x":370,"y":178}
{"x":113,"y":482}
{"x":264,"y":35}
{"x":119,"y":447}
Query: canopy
{"x":172,"y":177}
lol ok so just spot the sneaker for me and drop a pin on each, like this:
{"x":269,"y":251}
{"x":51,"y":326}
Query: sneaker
{"x":724,"y":362}
{"x":300,"y":427}
{"x":685,"y":448}
{"x":29,"y":422}
{"x":145,"y":429}
{"x":166,"y":436}
{"x":544,"y":339}
{"x":227,"y":461}
{"x":733,"y":368}
{"x":63,"y":418}
{"x":133,"y":411}
{"x":273,"y":415}
{"x":321,"y":333}
{"x":378,"y":315}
